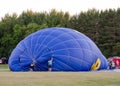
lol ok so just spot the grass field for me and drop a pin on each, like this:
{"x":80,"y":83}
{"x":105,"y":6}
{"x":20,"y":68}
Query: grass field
{"x":4,"y":68}
{"x":8,"y":78}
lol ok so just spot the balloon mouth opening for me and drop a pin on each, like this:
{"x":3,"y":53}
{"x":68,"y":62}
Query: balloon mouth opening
{"x":46,"y":53}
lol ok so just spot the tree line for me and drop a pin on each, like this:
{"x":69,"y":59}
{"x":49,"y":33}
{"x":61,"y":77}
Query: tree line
{"x":103,"y":27}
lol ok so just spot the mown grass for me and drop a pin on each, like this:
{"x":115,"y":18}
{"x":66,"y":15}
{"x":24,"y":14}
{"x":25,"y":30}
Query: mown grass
{"x":4,"y":68}
{"x":59,"y":78}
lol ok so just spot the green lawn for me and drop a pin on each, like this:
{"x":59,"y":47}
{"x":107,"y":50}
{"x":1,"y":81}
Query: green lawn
{"x":8,"y":78}
{"x":4,"y":68}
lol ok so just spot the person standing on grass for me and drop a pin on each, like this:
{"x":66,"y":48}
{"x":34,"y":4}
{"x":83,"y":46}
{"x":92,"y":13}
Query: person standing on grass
{"x":50,"y":64}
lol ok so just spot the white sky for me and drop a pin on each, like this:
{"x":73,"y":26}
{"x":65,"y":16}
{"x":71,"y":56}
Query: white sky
{"x":72,"y":6}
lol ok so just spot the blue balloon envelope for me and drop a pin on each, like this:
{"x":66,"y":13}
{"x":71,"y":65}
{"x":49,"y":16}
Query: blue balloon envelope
{"x":70,"y":50}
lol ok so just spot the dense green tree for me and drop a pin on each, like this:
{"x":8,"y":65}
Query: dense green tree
{"x":103,"y":27}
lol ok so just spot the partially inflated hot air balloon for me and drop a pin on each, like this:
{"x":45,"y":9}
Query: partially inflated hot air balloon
{"x":69,"y":49}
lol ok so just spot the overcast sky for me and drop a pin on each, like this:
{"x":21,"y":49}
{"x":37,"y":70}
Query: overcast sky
{"x":72,"y":6}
